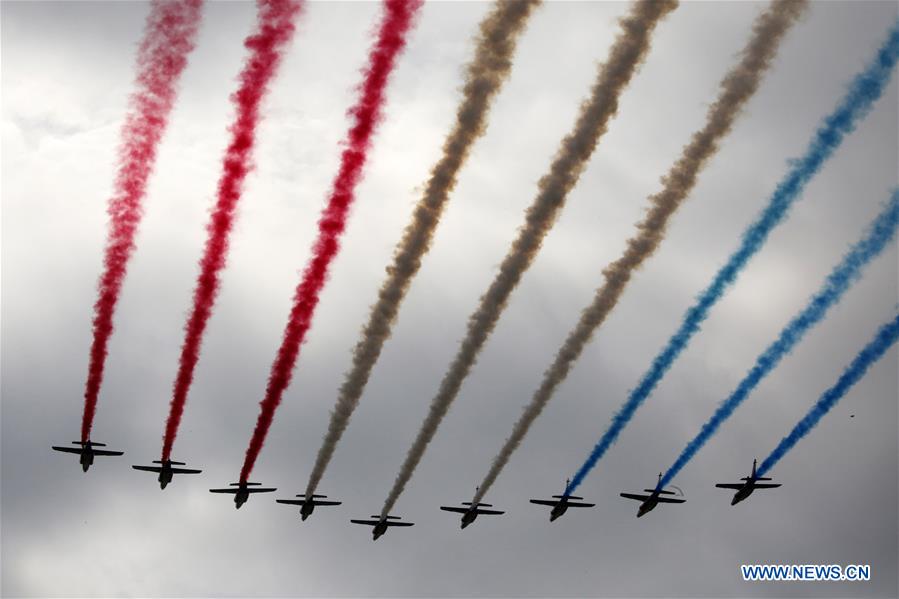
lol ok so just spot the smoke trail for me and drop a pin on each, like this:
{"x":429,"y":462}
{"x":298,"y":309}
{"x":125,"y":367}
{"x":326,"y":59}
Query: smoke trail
{"x":736,"y":88}
{"x":485,"y":75}
{"x":628,"y":52}
{"x":871,"y":353}
{"x":854,"y":106}
{"x":274,"y":29}
{"x":840,"y":279}
{"x":395,"y":25}
{"x":169,"y":36}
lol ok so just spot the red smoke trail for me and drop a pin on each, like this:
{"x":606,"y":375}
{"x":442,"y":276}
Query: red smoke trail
{"x":395,"y":24}
{"x":168,"y":38}
{"x":274,"y":29}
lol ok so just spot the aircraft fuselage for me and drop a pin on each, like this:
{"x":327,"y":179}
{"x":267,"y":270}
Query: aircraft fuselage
{"x":648,"y":505}
{"x":469,"y":517}
{"x":165,"y":476}
{"x":379,"y":529}
{"x":559,"y":509}
{"x":307,"y":510}
{"x":744,"y":492}
{"x":87,"y":458}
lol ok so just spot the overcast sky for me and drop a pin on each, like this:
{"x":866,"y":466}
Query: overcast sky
{"x":67,"y":71}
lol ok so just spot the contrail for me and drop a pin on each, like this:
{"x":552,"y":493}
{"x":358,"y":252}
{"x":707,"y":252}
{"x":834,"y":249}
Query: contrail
{"x":627,"y":53}
{"x":861,"y":94}
{"x":738,"y":85}
{"x":882,"y":341}
{"x":485,"y":75}
{"x":395,"y":24}
{"x":169,"y":36}
{"x":274,"y":30}
{"x":879,"y":234}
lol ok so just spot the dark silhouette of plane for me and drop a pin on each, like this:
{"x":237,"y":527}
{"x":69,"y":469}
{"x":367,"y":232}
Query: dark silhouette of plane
{"x":382,"y":524}
{"x":308,"y":505}
{"x":561,"y":503}
{"x":655,"y":497}
{"x":166,"y":471}
{"x":470,"y":513}
{"x":242,"y":491}
{"x":745,"y":489}
{"x":87,"y":452}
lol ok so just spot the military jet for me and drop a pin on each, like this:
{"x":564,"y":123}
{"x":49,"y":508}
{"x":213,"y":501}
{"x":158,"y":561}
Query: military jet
{"x":166,"y":471}
{"x":87,"y":452}
{"x":655,"y":497}
{"x":308,"y":505}
{"x":746,"y":488}
{"x":470,"y":513}
{"x":242,"y":491}
{"x":382,"y":524}
{"x":561,"y":503}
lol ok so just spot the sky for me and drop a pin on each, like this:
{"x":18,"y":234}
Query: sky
{"x":67,"y":71}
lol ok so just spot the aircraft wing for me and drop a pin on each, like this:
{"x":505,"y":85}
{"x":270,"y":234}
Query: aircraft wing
{"x":545,"y":502}
{"x":291,"y":501}
{"x":320,"y":502}
{"x":231,"y":490}
{"x":735,"y":486}
{"x":148,"y":468}
{"x":635,"y":496}
{"x":107,"y":452}
{"x":66,"y":449}
{"x":394,"y":523}
{"x":489,"y":512}
{"x":367,"y":522}
{"x":185,"y":471}
{"x":260,"y":490}
{"x":458,"y":510}
{"x":767,"y":485}
{"x":580,"y":504}
{"x":671,"y":500}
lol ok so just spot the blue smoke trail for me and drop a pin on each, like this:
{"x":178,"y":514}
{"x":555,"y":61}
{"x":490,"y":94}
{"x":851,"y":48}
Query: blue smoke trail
{"x":872,"y":352}
{"x":840,"y":279}
{"x":864,"y":90}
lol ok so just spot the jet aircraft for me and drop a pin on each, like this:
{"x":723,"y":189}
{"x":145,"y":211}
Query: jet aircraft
{"x":166,"y":471}
{"x":655,"y":497}
{"x":307,"y":505}
{"x":242,"y":491}
{"x":561,"y":503}
{"x":382,"y":524}
{"x":87,"y":452}
{"x":472,"y":511}
{"x":746,"y":488}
